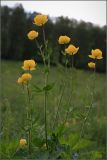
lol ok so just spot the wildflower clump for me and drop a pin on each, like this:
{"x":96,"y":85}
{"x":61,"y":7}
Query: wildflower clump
{"x":96,"y":54}
{"x":71,"y":50}
{"x":32,"y":35}
{"x":40,"y":19}
{"x":63,"y":39}
{"x":29,"y":65}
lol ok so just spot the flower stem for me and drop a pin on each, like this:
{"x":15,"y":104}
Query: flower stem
{"x":44,"y":37}
{"x":45,"y":109}
{"x":89,"y":110}
{"x":46,"y":82}
{"x":41,"y":52}
{"x":70,"y":98}
{"x":29,"y":117}
{"x":60,"y":100}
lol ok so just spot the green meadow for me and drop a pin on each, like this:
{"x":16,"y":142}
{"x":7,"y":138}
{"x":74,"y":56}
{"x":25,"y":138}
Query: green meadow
{"x":14,"y":102}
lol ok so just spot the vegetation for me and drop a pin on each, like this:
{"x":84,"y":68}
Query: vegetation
{"x":13,"y":105}
{"x":52,"y":111}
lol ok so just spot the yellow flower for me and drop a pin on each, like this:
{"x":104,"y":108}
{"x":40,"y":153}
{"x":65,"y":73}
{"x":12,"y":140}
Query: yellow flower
{"x":26,"y":77}
{"x":91,"y":65}
{"x":40,"y":19}
{"x":29,"y":65}
{"x":71,"y":50}
{"x":63,"y":40}
{"x":22,"y":142}
{"x":96,"y":54}
{"x":32,"y":35}
{"x":20,"y":81}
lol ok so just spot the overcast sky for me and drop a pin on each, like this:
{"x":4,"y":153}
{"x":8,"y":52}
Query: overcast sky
{"x":89,"y":11}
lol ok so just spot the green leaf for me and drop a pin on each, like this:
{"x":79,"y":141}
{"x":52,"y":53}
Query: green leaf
{"x":94,"y":155}
{"x":59,"y":130}
{"x":71,"y":140}
{"x":46,"y":71}
{"x":64,"y":155}
{"x":82,"y":144}
{"x":37,"y":89}
{"x":37,"y":141}
{"x":48,"y":87}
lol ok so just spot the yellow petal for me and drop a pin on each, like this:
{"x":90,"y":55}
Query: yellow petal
{"x":32,"y":69}
{"x":100,"y":57}
{"x":91,"y":56}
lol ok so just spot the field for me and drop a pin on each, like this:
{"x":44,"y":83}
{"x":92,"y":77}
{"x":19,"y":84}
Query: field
{"x":13,"y":112}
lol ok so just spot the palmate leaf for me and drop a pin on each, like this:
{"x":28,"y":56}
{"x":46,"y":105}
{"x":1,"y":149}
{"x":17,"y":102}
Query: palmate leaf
{"x":71,"y":140}
{"x":37,"y":89}
{"x":82,"y":144}
{"x":94,"y":155}
{"x":59,"y":130}
{"x":48,"y":87}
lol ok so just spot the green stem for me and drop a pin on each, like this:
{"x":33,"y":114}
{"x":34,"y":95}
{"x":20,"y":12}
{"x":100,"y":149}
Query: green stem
{"x":67,"y":113}
{"x":46,"y":82}
{"x":41,"y":52}
{"x":72,"y":62}
{"x":60,"y":100}
{"x":29,"y":117}
{"x":45,"y":109}
{"x":89,"y":110}
{"x":44,"y":37}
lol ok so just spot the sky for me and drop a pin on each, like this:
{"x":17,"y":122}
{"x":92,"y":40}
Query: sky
{"x":89,"y":11}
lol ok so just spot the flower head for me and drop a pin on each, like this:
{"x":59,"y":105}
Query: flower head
{"x":32,"y":35}
{"x":96,"y":54}
{"x":20,"y":81}
{"x":29,"y":65}
{"x":92,"y":65}
{"x":63,"y":40}
{"x":22,"y":142}
{"x":40,"y":19}
{"x":71,"y":50}
{"x":24,"y":78}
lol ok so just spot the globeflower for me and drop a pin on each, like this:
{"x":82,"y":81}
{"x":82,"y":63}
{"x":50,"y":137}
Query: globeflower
{"x":92,"y":65}
{"x":29,"y":65}
{"x":63,"y":39}
{"x":71,"y":50}
{"x":22,"y":142}
{"x":96,"y":54}
{"x":20,"y":81}
{"x":32,"y":35}
{"x":40,"y":19}
{"x":24,"y":78}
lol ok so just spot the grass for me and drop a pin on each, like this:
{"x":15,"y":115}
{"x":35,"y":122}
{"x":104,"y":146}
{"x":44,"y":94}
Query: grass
{"x":13,"y":97}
